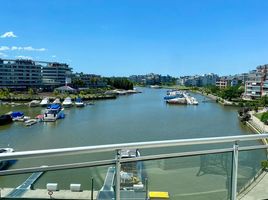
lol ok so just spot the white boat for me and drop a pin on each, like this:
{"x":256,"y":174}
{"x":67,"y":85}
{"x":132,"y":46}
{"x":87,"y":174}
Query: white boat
{"x":79,"y":102}
{"x":177,"y":101}
{"x":34,"y":103}
{"x":67,"y":102}
{"x":45,"y":102}
{"x":194,"y":101}
{"x":25,"y":118}
{"x":30,"y":122}
{"x":4,"y":164}
{"x":53,"y":112}
{"x":57,"y":101}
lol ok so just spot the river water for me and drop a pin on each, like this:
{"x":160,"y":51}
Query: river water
{"x":136,"y":118}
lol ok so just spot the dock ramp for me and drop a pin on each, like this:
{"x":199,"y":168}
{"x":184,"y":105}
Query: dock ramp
{"x":107,"y":190}
{"x":26,"y":185}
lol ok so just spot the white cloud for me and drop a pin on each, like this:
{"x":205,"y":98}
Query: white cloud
{"x":15,"y":48}
{"x":4,"y":48}
{"x":3,"y":54}
{"x":24,"y":57}
{"x":53,"y":56}
{"x":9,"y":34}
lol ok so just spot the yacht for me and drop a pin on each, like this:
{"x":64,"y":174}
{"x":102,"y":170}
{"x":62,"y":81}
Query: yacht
{"x":6,"y":163}
{"x":45,"y":102}
{"x":53,"y":112}
{"x":67,"y":102}
{"x":57,"y":101}
{"x":178,"y":100}
{"x":79,"y":102}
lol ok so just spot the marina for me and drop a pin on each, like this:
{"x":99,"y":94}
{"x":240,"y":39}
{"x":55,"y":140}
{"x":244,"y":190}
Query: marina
{"x":141,"y":117}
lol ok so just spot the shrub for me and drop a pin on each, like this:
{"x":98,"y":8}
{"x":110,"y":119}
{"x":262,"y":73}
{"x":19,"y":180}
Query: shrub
{"x":264,"y":117}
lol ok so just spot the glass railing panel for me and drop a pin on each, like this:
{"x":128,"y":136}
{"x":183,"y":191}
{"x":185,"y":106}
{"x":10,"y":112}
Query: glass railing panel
{"x":250,"y":171}
{"x":205,"y":177}
{"x":62,"y":184}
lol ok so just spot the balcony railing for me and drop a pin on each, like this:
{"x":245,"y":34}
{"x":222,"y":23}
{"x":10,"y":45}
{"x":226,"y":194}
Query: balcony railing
{"x":231,"y":145}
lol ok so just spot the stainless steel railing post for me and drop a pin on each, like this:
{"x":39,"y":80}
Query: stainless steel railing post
{"x":234,"y":171}
{"x":118,"y":169}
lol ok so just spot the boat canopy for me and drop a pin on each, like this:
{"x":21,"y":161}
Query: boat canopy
{"x":17,"y":114}
{"x":54,"y":106}
{"x":78,"y":100}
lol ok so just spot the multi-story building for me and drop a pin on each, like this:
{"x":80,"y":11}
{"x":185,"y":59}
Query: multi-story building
{"x":20,"y":74}
{"x":88,"y":80}
{"x":222,"y":83}
{"x":257,"y":83}
{"x":55,"y":74}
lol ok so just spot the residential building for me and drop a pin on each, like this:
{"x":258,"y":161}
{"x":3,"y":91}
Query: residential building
{"x":222,"y":83}
{"x":19,"y":74}
{"x":55,"y":74}
{"x":152,"y":79}
{"x":257,"y":83}
{"x":88,"y":80}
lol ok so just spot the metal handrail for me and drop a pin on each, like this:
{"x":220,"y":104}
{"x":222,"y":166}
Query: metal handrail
{"x":134,"y":145}
{"x":138,"y":145}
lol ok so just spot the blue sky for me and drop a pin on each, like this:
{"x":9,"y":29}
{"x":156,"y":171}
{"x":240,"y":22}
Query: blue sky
{"x":120,"y":38}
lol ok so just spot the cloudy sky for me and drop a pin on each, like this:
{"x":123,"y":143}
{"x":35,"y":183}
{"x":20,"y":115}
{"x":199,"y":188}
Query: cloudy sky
{"x":138,"y":36}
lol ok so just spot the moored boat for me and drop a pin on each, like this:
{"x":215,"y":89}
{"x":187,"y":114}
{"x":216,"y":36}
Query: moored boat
{"x":5,"y":119}
{"x":17,"y":116}
{"x":6,"y":163}
{"x":53,"y":112}
{"x":45,"y":102}
{"x":30,"y":122}
{"x":67,"y":102}
{"x":177,"y":101}
{"x":57,"y":101}
{"x":79,"y":102}
{"x":34,"y":103}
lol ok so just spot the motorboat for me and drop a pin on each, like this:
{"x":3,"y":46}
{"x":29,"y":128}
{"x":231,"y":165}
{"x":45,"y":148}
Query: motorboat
{"x":79,"y":102}
{"x":30,"y":122}
{"x":53,"y":112}
{"x":34,"y":103}
{"x":6,"y":163}
{"x":178,"y":100}
{"x":173,"y":95}
{"x":57,"y":101}
{"x":5,"y":119}
{"x":16,"y":116}
{"x":24,"y":118}
{"x":194,"y":101}
{"x":45,"y":102}
{"x":67,"y":102}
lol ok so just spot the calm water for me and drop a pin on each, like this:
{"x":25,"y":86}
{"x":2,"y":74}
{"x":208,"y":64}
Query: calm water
{"x":134,"y":118}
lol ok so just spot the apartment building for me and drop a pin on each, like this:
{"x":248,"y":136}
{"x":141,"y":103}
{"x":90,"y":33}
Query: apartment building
{"x":55,"y":74}
{"x":20,"y":74}
{"x":222,"y":83}
{"x":257,"y":84}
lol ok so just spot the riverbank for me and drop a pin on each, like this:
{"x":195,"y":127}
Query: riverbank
{"x":51,"y":96}
{"x":216,"y":98}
